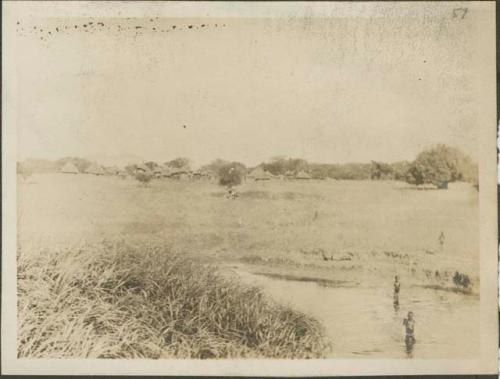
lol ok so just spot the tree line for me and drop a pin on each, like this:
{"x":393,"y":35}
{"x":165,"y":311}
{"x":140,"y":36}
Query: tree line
{"x":437,"y":166}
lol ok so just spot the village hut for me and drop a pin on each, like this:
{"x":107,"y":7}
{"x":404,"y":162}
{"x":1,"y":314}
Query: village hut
{"x":69,"y":168}
{"x":95,"y":169}
{"x":158,"y":172}
{"x":202,"y":174}
{"x":166,"y":171}
{"x":183,"y":172}
{"x":259,"y":174}
{"x":113,"y":170}
{"x":142,"y":168}
{"x":302,"y":175}
{"x":208,"y":174}
{"x":197,"y":174}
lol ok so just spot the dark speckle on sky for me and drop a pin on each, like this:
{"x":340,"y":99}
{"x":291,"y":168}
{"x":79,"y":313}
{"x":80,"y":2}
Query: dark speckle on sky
{"x":145,"y":25}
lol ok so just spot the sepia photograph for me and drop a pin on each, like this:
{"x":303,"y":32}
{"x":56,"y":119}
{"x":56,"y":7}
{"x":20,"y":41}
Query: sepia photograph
{"x":283,"y":188}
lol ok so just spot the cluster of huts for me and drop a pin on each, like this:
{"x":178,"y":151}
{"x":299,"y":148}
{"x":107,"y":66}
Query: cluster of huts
{"x":159,"y":172}
{"x":175,"y":173}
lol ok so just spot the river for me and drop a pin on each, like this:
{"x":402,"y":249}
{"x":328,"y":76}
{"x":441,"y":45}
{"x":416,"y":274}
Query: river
{"x":362,"y":321}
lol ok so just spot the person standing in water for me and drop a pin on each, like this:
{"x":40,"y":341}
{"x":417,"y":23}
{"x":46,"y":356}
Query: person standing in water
{"x":409,"y":324}
{"x":397,"y":286}
{"x":441,"y":240}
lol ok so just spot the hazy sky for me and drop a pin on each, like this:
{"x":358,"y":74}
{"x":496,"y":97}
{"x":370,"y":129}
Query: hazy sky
{"x":333,"y":89}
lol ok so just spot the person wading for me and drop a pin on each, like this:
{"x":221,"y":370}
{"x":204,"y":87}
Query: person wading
{"x":441,"y":241}
{"x":397,"y":286}
{"x":409,"y":324}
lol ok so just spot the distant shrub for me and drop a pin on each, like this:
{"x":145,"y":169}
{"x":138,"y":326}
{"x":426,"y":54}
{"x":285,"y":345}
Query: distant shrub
{"x":231,"y":174}
{"x":143,"y":177}
{"x":461,"y":281}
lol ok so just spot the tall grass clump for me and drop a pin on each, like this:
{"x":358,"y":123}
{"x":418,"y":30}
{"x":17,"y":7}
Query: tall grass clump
{"x":116,"y":300}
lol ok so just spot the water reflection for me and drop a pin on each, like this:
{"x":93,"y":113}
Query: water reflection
{"x":397,"y":286}
{"x":409,"y":343}
{"x":396,"y":306}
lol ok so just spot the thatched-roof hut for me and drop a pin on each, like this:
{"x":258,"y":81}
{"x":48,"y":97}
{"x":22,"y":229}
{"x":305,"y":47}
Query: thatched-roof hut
{"x":95,"y":169}
{"x":302,"y":175}
{"x":69,"y":168}
{"x":142,"y":168}
{"x":259,"y":174}
{"x":158,"y":172}
{"x":113,"y":170}
{"x":183,"y":172}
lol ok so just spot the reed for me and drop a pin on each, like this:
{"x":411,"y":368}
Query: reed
{"x":117,"y":300}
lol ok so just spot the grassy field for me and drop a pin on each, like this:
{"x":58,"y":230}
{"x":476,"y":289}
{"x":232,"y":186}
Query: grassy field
{"x":110,"y":230}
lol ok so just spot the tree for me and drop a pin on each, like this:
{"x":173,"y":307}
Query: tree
{"x":151,"y":165}
{"x":441,"y":165}
{"x":231,"y":174}
{"x":215,"y":165}
{"x":143,"y":177}
{"x":400,"y":169}
{"x":282,"y":165}
{"x":318,"y":170}
{"x":179,"y":162}
{"x":381,"y":171}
